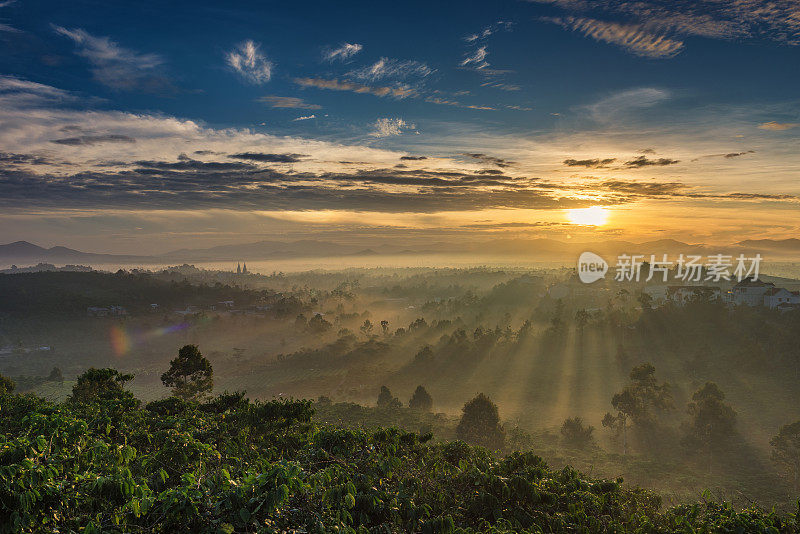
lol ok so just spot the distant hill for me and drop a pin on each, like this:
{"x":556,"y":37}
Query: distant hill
{"x":538,"y":249}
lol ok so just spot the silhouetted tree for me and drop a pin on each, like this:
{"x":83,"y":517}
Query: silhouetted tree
{"x":190,"y":375}
{"x":385,"y":327}
{"x":480,"y":423}
{"x":575,"y":433}
{"x":6,"y":385}
{"x":421,"y":400}
{"x":786,"y":450}
{"x":582,"y":319}
{"x":712,"y":423}
{"x":638,"y":402}
{"x":101,"y":384}
{"x":387,"y":400}
{"x":55,"y":375}
{"x":366,"y":328}
{"x":319,"y":324}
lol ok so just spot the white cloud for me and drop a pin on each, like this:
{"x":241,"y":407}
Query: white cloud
{"x":250,"y":63}
{"x":633,"y":38}
{"x":477,"y":59}
{"x":304,"y":118}
{"x":344,"y":52}
{"x":389,"y":127}
{"x":114,"y":66}
{"x":392,"y":68}
{"x":623,"y":102}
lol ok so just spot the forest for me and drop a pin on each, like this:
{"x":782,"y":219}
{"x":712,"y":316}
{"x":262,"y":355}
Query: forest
{"x":416,"y":399}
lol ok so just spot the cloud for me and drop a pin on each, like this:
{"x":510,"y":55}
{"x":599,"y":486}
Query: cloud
{"x":490,"y":160}
{"x":287,"y":102}
{"x":87,"y":140}
{"x":392,"y":68}
{"x":476,"y":59}
{"x":498,"y":26}
{"x":336,"y":85}
{"x":643,"y":161}
{"x":250,"y":63}
{"x":305,"y":118}
{"x":413,"y":158}
{"x":776,"y":20}
{"x":456,"y":103}
{"x":777,"y":126}
{"x":589,"y":163}
{"x":344,"y":52}
{"x":116,"y":67}
{"x":269,"y":158}
{"x":624,"y":102}
{"x":630,"y":37}
{"x":389,"y":127}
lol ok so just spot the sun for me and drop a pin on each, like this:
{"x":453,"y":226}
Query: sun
{"x":594,"y":216}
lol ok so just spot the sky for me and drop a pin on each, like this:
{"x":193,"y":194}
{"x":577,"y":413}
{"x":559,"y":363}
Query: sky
{"x":150,"y":126}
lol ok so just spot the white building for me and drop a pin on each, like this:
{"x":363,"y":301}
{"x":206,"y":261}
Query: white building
{"x":780,"y":298}
{"x":749,"y":292}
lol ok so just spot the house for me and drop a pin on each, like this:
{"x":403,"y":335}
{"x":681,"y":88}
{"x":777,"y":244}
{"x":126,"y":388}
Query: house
{"x":780,"y":298}
{"x":117,"y":310}
{"x":749,"y":292}
{"x":658,"y":293}
{"x":94,"y":311}
{"x":680,"y":295}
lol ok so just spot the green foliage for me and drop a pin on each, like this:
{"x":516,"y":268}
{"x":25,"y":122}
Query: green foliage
{"x":421,"y":400}
{"x":103,"y":385}
{"x":190,"y":375}
{"x":480,"y":423}
{"x":233,"y":465}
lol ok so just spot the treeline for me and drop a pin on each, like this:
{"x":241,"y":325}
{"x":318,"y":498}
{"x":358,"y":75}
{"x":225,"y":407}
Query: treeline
{"x":102,"y":462}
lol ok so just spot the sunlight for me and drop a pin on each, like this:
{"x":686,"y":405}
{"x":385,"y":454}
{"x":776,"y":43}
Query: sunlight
{"x":594,"y":216}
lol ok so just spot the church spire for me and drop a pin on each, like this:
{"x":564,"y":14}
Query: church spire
{"x":238,"y":268}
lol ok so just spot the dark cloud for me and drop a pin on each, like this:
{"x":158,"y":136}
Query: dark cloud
{"x":589,"y":163}
{"x":644,"y":161}
{"x":644,"y":188}
{"x":413,"y":158}
{"x":269,"y":158}
{"x":88,"y":140}
{"x":650,"y":151}
{"x":10,"y":158}
{"x":204,"y":152}
{"x":489,"y":160}
{"x":185,"y":163}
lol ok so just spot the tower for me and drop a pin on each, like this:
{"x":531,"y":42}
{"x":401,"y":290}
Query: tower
{"x":238,"y":268}
{"x":244,"y":267}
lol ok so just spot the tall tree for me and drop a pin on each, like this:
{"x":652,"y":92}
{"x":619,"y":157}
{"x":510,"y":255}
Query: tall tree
{"x":576,"y":434}
{"x":480,"y":423}
{"x":421,"y":400}
{"x":638,"y":403}
{"x":712,"y":422}
{"x":387,"y":400}
{"x":190,"y":375}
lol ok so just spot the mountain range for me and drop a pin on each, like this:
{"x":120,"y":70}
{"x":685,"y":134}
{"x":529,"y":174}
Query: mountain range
{"x":25,"y":253}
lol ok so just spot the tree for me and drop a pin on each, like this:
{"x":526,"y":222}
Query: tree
{"x":101,"y":385}
{"x":385,"y":327}
{"x":366,"y":328}
{"x":576,"y":434}
{"x":319,"y":324}
{"x":387,"y":400}
{"x":190,"y":375}
{"x":712,"y":422}
{"x":55,"y":375}
{"x":786,"y":450}
{"x":6,"y":385}
{"x":582,"y":319}
{"x":480,"y":423}
{"x":638,"y":403}
{"x":421,"y":400}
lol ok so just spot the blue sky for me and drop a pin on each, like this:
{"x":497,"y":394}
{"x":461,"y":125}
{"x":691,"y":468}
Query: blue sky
{"x":116,"y":113}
